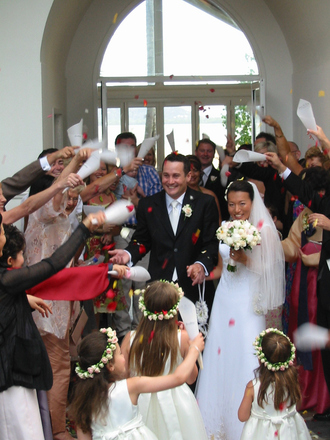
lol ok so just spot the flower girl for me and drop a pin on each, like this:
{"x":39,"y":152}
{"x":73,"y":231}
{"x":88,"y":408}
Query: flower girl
{"x":269,"y":403}
{"x":104,"y":404}
{"x":157,"y":347}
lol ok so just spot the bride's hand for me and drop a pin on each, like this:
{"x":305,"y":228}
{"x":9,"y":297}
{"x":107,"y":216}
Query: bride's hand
{"x":238,"y":256}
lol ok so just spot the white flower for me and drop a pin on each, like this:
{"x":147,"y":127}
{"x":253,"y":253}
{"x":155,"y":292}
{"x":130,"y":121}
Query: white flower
{"x":187,"y":210}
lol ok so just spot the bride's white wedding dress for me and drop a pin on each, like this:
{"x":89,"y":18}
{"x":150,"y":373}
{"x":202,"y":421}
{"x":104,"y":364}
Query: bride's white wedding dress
{"x":228,"y":357}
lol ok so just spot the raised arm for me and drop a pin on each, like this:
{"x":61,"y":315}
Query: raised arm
{"x":324,"y":141}
{"x":283,"y":146}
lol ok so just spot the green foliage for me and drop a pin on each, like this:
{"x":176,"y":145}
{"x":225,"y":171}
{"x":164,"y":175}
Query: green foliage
{"x":243,"y":126}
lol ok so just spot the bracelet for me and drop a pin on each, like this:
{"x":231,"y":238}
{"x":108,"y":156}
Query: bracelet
{"x":195,"y":346}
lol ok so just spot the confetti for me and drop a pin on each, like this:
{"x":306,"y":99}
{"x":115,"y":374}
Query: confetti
{"x":321,"y":93}
{"x":165,"y":263}
{"x":141,"y":339}
{"x":115,"y":284}
{"x":207,"y":116}
{"x":282,"y":406}
{"x":219,"y":350}
{"x":136,"y":97}
{"x":49,"y":116}
{"x":171,"y":76}
{"x":150,"y":209}
{"x":195,"y":236}
{"x":115,"y":18}
{"x":84,"y":136}
{"x":152,"y":333}
{"x":130,"y":208}
{"x":275,"y":177}
{"x":142,"y":249}
{"x":260,"y":224}
{"x":212,"y":275}
{"x":309,"y":204}
{"x":145,"y":103}
{"x":212,"y":90}
{"x":305,"y":412}
{"x":228,"y":173}
{"x":201,"y":108}
{"x":276,"y":433}
{"x":315,"y":222}
{"x":231,"y":322}
{"x":131,"y":293}
{"x":108,"y":247}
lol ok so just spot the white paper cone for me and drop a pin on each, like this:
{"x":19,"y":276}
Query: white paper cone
{"x":221,"y":152}
{"x":306,"y":115}
{"x":95,"y":144}
{"x":119,"y":212}
{"x":146,"y":145}
{"x":248,"y":156}
{"x":188,"y":313}
{"x":90,"y":166}
{"x":75,"y":134}
{"x":170,"y":138}
{"x":125,"y":154}
{"x":310,"y":337}
{"x":109,"y":157}
{"x":135,"y":273}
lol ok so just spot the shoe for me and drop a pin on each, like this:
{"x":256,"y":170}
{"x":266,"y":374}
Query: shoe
{"x":325,"y":417}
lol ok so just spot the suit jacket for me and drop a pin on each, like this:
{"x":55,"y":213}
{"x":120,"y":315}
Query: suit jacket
{"x":22,"y":180}
{"x":321,"y":205}
{"x":214,"y":184}
{"x":195,"y":239}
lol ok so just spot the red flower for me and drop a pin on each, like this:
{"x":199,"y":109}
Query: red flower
{"x":110,"y":294}
{"x":111,"y":307}
{"x":164,"y":312}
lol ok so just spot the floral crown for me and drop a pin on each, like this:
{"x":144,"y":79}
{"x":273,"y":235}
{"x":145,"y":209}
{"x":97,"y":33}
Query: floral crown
{"x":164,"y":314}
{"x":277,"y":366}
{"x":105,"y":358}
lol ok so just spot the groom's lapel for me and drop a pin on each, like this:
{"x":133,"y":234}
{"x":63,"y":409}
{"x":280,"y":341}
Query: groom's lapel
{"x":189,"y":199}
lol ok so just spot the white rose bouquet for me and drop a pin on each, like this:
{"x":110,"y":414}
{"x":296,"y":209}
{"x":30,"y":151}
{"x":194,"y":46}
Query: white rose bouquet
{"x":238,"y":234}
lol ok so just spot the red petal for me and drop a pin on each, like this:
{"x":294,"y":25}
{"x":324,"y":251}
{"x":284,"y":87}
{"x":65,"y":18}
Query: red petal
{"x":282,"y":406}
{"x":309,"y":204}
{"x":111,"y":307}
{"x":150,"y":209}
{"x":171,"y":76}
{"x":207,"y":116}
{"x":142,"y":249}
{"x":145,"y":103}
{"x":151,"y":336}
{"x":85,"y":136}
{"x":227,"y":173}
{"x":219,"y":350}
{"x":231,"y":322}
{"x":212,"y":275}
{"x":260,"y":224}
{"x":212,"y":90}
{"x":201,"y":107}
{"x":96,"y":189}
{"x":276,"y":433}
{"x":282,"y":190}
{"x":136,"y":97}
{"x":275,"y":177}
{"x":165,"y":263}
{"x":130,"y":208}
{"x":108,"y":247}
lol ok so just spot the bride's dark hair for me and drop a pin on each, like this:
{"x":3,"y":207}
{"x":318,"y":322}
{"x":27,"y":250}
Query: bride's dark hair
{"x":241,"y":186}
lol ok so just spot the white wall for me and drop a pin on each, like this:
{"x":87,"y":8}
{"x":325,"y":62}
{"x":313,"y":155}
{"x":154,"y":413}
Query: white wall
{"x":21,"y":29}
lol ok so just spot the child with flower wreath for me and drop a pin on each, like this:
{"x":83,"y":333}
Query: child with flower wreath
{"x":156,"y":348}
{"x":269,"y":403}
{"x":104,"y":404}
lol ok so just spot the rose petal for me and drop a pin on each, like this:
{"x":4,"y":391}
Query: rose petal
{"x":231,"y":322}
{"x":150,"y":209}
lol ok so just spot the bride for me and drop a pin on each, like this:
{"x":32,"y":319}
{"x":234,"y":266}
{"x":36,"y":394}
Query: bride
{"x":238,"y":315}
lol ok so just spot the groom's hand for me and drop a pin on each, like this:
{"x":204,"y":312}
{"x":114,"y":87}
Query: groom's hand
{"x":196,"y":273}
{"x":119,"y":256}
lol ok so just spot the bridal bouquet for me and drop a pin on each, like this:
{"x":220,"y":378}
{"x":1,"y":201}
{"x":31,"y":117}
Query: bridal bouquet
{"x":238,"y":234}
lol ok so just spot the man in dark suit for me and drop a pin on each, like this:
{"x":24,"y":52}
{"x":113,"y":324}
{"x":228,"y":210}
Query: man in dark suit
{"x":205,"y":151}
{"x":188,"y":254}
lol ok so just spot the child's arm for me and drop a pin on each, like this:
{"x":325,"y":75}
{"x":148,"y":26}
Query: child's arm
{"x":143,"y":384}
{"x":184,"y":351}
{"x":125,"y":348}
{"x":83,"y":435}
{"x":244,"y":410}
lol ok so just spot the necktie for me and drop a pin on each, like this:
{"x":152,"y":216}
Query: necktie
{"x":174,"y":219}
{"x":174,"y":215}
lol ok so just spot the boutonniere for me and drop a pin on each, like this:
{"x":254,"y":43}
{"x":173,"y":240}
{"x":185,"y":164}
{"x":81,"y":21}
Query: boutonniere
{"x":213,"y":178}
{"x":187,"y":210}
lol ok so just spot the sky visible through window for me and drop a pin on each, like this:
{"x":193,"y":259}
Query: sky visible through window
{"x":194,"y":43}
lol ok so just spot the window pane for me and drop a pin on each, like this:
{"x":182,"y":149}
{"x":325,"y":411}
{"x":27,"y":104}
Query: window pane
{"x":211,"y":123}
{"x":178,"y":119}
{"x":114,"y":126}
{"x":201,"y":44}
{"x":142,"y":122}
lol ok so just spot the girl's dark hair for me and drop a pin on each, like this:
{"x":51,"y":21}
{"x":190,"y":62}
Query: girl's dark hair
{"x":148,"y":357}
{"x":277,"y":348}
{"x":194,"y":161}
{"x":241,"y":186}
{"x":15,"y":242}
{"x":90,"y":396}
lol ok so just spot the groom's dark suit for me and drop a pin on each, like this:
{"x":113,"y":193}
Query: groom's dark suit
{"x":195,"y":239}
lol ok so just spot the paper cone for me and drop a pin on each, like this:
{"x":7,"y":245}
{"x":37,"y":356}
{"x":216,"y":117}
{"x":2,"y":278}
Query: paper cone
{"x":146,"y":145}
{"x":306,"y":115}
{"x":90,"y":166}
{"x":125,"y":154}
{"x":188,"y":313}
{"x":248,"y":156}
{"x":109,"y":157}
{"x":75,"y":134}
{"x":119,"y":212}
{"x":170,"y":138}
{"x":135,"y":273}
{"x":310,"y":337}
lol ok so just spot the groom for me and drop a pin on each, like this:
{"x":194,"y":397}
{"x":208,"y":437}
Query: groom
{"x":181,"y":238}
